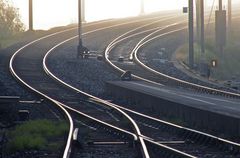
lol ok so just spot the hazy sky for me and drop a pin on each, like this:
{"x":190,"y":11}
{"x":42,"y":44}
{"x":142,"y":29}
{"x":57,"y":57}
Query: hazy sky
{"x":50,"y":13}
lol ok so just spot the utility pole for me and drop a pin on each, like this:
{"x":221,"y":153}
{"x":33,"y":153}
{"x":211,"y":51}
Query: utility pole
{"x":203,"y":65}
{"x":83,"y":52}
{"x":30,"y":15}
{"x":220,"y":5}
{"x":202,"y":26}
{"x":80,"y":45}
{"x":83,"y":11}
{"x":220,"y":28}
{"x":198,"y":21}
{"x":142,"y":11}
{"x":191,"y":34}
{"x":229,"y":16}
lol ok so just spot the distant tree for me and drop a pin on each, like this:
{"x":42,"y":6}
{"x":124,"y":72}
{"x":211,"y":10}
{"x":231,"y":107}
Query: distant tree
{"x":10,"y":22}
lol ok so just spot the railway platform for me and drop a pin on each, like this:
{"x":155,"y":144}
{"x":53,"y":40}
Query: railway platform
{"x":202,"y":111}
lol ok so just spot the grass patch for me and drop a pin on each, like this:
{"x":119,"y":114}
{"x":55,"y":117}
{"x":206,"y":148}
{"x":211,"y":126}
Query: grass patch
{"x":36,"y":135}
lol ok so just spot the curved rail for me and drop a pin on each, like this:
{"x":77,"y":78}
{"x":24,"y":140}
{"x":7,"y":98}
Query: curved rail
{"x":179,"y":81}
{"x":185,"y":129}
{"x":233,"y":145}
{"x":141,"y":137}
{"x":67,"y":150}
{"x":158,"y":145}
{"x":122,"y":38}
{"x":134,"y":56}
{"x":98,"y":100}
{"x":144,"y":148}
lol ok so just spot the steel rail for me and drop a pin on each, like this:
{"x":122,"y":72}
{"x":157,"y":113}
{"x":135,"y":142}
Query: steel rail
{"x":118,"y":40}
{"x":68,"y":145}
{"x":98,"y":100}
{"x":13,"y":72}
{"x":144,"y":148}
{"x":134,"y":136}
{"x":167,"y":149}
{"x":67,"y":149}
{"x":135,"y":51}
{"x":136,"y":128}
{"x":104,"y":102}
{"x":138,"y":46}
{"x":182,"y":82}
{"x":164,"y":147}
{"x":186,"y":83}
{"x":233,"y":144}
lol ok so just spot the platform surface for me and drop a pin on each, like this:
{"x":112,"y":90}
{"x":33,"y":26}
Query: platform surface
{"x":213,"y":103}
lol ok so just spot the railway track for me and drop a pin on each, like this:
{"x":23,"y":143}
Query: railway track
{"x":174,"y":149}
{"x":26,"y":67}
{"x":181,"y":144}
{"x":178,"y":138}
{"x":165,"y":150}
{"x":151,"y":74}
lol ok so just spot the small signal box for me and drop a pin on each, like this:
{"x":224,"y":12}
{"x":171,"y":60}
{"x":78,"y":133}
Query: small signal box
{"x":185,"y":9}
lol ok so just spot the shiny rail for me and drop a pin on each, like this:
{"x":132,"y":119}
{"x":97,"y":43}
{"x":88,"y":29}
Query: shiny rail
{"x":179,"y":82}
{"x":67,"y":150}
{"x":228,"y":145}
{"x":100,"y":101}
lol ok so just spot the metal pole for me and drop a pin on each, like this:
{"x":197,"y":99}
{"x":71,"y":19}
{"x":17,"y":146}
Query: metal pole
{"x":202,"y":27}
{"x":191,"y":33}
{"x":220,"y":5}
{"x":198,"y":20}
{"x":83,"y":11}
{"x":30,"y":15}
{"x":229,"y":15}
{"x":80,"y":24}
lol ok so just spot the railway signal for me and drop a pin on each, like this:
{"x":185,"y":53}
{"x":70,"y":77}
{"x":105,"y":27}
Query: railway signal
{"x":30,"y":15}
